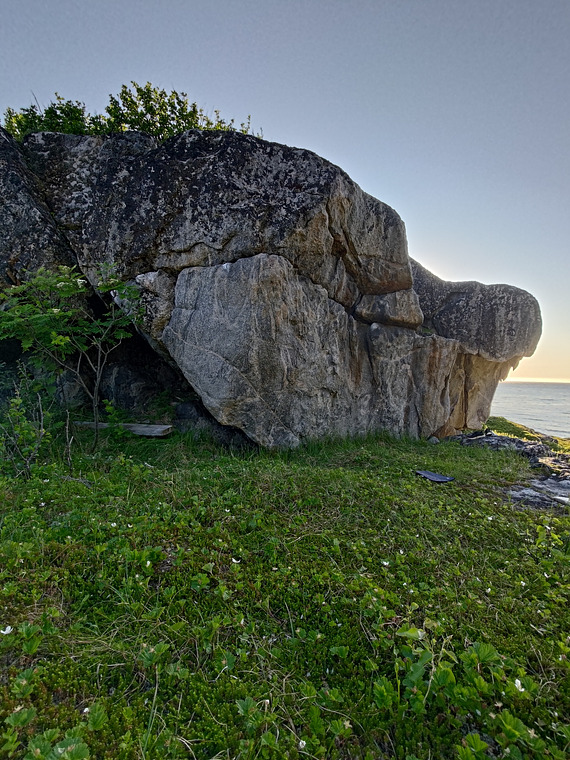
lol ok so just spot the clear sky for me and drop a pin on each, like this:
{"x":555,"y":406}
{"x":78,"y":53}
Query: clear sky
{"x":454,"y":112}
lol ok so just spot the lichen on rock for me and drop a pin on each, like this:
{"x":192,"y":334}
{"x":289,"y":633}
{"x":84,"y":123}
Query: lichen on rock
{"x":281,"y":291}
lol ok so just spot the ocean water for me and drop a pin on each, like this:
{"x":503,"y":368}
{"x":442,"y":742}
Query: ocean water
{"x":544,"y":407}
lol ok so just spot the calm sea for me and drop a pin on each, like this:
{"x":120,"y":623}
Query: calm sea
{"x":544,"y":407}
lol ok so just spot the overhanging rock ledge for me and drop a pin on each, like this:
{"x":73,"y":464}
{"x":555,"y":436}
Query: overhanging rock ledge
{"x":282,"y":291}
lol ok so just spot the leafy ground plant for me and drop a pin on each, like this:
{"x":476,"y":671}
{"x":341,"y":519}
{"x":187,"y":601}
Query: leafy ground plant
{"x":178,"y":599}
{"x":49,"y":314}
{"x":24,"y":433}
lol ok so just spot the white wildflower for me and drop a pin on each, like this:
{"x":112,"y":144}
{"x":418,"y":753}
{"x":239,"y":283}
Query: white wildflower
{"x":518,"y":685}
{"x":302,"y":744}
{"x":7,"y":630}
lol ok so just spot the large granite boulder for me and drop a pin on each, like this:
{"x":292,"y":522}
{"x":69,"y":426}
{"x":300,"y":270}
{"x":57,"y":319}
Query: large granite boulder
{"x":281,"y":290}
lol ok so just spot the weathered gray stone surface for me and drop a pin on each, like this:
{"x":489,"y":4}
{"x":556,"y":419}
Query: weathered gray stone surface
{"x":487,"y":319}
{"x":206,"y":198}
{"x":496,"y":326}
{"x":29,"y":236}
{"x":281,"y":290}
{"x":401,"y":308}
{"x":268,"y":351}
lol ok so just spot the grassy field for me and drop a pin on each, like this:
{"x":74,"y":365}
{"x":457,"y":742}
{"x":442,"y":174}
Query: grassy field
{"x":175,"y":599}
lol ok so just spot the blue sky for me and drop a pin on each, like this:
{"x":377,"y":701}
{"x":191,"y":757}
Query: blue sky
{"x":454,"y":112}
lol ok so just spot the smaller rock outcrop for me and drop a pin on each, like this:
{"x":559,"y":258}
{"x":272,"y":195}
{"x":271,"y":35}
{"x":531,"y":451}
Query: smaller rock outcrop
{"x":497,"y":322}
{"x":495,"y":325}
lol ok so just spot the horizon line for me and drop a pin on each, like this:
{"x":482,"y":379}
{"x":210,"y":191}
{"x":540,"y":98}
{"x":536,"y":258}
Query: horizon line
{"x":536,"y":380}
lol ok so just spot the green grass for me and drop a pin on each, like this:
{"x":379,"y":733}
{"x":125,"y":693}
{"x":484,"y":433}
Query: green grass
{"x":176,"y":599}
{"x":514,"y":429}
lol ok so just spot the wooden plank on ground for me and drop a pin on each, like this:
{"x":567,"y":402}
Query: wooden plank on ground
{"x":149,"y":431}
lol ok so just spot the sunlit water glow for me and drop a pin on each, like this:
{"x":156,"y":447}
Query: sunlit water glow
{"x":544,"y":407}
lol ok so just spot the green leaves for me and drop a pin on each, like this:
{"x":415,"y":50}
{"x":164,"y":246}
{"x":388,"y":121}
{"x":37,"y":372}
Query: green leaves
{"x":416,"y":634}
{"x":246,"y":707}
{"x":23,"y":431}
{"x":69,"y":748}
{"x":139,"y":107}
{"x":473,"y":748}
{"x":341,"y":651}
{"x":255,"y":664}
{"x":21,"y":717}
{"x":98,"y":717}
{"x":443,"y":677}
{"x":59,"y":116}
{"x":148,"y":109}
{"x":224,"y":660}
{"x":384,"y":693}
{"x":150,"y":656}
{"x":23,"y":684}
{"x":50,"y":316}
{"x":31,"y":637}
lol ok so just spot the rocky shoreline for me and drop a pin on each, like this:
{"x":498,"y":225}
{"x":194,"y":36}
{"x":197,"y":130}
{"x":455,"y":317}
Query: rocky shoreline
{"x":549,"y":491}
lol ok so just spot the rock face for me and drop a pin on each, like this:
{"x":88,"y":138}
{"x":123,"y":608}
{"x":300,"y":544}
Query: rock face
{"x":281,"y":290}
{"x":29,"y":236}
{"x":494,"y":329}
{"x":495,"y":325}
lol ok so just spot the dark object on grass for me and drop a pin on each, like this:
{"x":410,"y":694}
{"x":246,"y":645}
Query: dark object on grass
{"x":434,"y":476}
{"x":479,"y":433}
